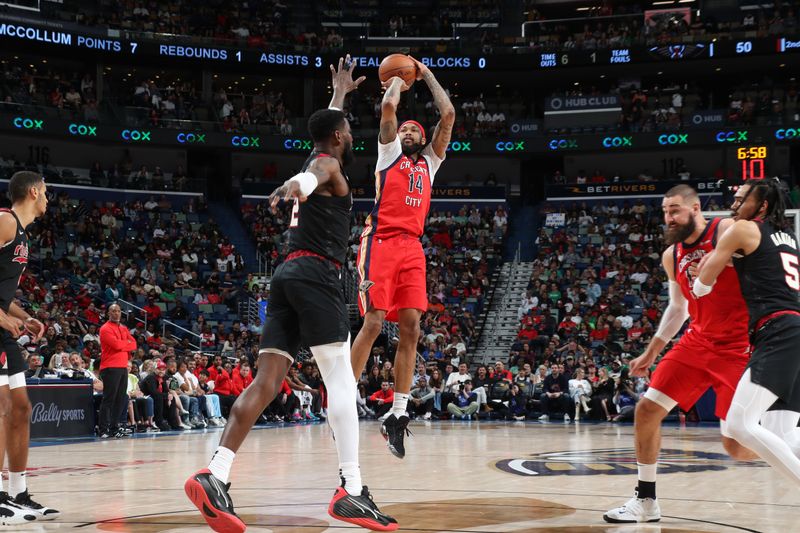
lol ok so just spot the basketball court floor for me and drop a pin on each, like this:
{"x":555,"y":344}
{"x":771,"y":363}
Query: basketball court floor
{"x":457,"y":477}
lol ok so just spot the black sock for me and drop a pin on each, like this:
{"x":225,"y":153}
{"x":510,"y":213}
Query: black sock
{"x":646,"y":489}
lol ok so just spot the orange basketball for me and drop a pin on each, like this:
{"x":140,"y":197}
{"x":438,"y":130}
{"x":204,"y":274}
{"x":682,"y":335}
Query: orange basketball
{"x":398,"y":65}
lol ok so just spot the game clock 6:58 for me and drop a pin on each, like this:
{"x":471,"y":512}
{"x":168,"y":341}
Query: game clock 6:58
{"x":753,"y":160}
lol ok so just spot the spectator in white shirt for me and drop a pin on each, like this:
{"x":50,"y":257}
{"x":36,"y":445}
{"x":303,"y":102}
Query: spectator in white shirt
{"x":454,"y":380}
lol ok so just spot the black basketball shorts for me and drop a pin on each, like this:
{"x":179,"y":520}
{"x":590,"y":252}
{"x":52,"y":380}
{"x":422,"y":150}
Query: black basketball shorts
{"x":775,"y":361}
{"x":306,"y":307}
{"x":11,"y":355}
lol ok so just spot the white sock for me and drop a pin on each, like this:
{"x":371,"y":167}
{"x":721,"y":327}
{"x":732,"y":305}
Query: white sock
{"x":16,"y":483}
{"x":400,"y":404}
{"x":351,"y":473}
{"x":221,"y":463}
{"x":333,"y":361}
{"x":647,"y":472}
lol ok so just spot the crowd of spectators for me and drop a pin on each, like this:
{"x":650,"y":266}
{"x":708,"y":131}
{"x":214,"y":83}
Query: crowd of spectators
{"x":71,"y":91}
{"x":630,"y":27}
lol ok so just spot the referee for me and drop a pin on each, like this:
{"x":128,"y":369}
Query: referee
{"x":115,"y":344}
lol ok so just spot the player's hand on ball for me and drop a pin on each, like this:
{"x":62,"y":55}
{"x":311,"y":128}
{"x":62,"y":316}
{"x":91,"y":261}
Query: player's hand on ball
{"x":343,"y":76}
{"x":395,"y":79}
{"x":421,"y":68}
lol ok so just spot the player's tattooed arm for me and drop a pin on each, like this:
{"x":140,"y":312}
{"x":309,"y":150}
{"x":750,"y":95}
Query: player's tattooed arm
{"x":391,"y":99}
{"x":447,"y":113}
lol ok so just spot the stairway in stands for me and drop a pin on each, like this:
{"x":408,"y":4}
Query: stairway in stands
{"x":523,"y":227}
{"x":231,"y":224}
{"x":501,"y":325}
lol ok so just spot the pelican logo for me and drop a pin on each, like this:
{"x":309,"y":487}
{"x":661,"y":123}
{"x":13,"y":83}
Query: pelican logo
{"x":615,"y":461}
{"x":365,"y":285}
{"x":20,"y":254}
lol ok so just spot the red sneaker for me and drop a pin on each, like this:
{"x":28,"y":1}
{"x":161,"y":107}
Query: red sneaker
{"x":211,"y":498}
{"x":359,"y":510}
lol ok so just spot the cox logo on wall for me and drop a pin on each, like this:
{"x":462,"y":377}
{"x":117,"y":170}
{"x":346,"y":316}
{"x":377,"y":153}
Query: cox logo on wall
{"x":510,"y":146}
{"x":26,"y":123}
{"x":562,"y":144}
{"x":135,"y":135}
{"x":82,"y":130}
{"x":245,"y":141}
{"x":298,"y":144}
{"x":459,"y":146}
{"x":787,"y":133}
{"x":191,"y":138}
{"x":673,"y":138}
{"x":618,"y":142}
{"x":731,"y":136}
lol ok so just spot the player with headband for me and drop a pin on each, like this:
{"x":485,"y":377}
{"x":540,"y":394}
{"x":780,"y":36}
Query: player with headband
{"x":391,"y":262}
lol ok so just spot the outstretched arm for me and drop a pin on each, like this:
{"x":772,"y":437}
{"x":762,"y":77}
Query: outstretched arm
{"x":342,"y":81}
{"x":299,"y":186}
{"x":391,"y":99}
{"x":447,"y":113}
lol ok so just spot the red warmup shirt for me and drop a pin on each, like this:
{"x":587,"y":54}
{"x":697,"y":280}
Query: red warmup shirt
{"x":115,"y":344}
{"x":387,"y":397}
{"x":285,"y":388}
{"x":223,"y":384}
{"x":240,"y":383}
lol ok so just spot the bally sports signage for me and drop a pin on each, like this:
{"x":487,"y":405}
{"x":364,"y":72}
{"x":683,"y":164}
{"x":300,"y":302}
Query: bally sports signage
{"x":61,"y":408}
{"x":645,"y":189}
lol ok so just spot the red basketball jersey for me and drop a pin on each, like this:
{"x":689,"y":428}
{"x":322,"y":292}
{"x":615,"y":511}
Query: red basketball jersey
{"x":402,"y":191}
{"x":722,"y":315}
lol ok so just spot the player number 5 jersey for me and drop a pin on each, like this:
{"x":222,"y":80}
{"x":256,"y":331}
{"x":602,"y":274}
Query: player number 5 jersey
{"x":402,"y":191}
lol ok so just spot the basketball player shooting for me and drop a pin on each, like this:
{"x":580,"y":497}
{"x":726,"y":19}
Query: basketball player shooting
{"x":713,"y":352}
{"x":391,"y":262}
{"x":765,"y":255}
{"x":306,"y":307}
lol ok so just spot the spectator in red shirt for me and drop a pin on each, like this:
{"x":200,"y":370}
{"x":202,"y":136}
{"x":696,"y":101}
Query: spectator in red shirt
{"x":92,"y":314}
{"x":527,"y":332}
{"x":152,"y":310}
{"x":116,"y":344}
{"x":500,"y":373}
{"x":242,"y":379}
{"x":381,"y":401}
{"x":223,"y":386}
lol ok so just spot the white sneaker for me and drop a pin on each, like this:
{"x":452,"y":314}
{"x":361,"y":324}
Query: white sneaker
{"x":12,"y":514}
{"x":567,"y":419}
{"x":427,"y":416}
{"x":544,"y":418}
{"x":635,"y":510}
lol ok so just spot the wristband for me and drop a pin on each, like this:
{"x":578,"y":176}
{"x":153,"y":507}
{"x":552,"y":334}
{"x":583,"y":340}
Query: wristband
{"x":334,"y":108}
{"x":700,"y":289}
{"x":308,"y":182}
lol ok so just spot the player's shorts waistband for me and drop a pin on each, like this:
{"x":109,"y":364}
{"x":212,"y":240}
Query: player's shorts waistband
{"x":307,"y":253}
{"x":764,"y":319}
{"x":400,"y":236}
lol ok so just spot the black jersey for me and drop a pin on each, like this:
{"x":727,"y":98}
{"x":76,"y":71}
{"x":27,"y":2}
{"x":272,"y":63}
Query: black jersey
{"x":769,"y":276}
{"x":13,"y":260}
{"x":321,"y":224}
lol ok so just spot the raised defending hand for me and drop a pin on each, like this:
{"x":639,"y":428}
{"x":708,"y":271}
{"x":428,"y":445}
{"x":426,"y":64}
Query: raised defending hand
{"x":342,"y":78}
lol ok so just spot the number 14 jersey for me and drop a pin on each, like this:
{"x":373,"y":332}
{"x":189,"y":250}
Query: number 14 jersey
{"x":402,"y":191}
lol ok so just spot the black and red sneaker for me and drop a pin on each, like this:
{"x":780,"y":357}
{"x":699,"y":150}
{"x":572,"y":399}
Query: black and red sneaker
{"x":210,"y":496}
{"x":360,"y":510}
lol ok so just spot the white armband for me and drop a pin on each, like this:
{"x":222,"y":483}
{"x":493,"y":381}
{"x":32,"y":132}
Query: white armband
{"x":308,"y":182}
{"x":699,"y":288}
{"x":334,"y":108}
{"x":674,"y":315}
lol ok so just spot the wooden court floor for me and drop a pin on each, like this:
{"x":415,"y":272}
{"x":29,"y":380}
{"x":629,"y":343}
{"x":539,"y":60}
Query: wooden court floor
{"x":457,"y":477}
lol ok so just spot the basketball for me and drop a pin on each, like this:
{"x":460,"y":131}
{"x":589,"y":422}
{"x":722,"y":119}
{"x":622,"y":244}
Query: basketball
{"x":398,"y":65}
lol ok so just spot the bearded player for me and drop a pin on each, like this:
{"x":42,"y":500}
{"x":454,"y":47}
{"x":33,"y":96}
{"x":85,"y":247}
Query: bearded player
{"x":391,"y":263}
{"x":713,"y":352}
